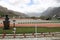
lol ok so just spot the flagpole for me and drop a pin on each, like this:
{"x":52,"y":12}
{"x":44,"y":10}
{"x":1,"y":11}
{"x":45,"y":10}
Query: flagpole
{"x":36,"y":30}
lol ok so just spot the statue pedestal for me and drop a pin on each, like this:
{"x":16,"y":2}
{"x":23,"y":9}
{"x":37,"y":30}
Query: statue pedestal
{"x":6,"y":25}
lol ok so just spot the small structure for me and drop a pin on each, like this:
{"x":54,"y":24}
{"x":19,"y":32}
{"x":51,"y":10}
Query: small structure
{"x":6,"y":23}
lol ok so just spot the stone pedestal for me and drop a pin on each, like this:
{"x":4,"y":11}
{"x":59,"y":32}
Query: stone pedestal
{"x":6,"y":23}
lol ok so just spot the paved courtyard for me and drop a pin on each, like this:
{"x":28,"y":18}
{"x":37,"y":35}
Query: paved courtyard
{"x":45,"y":38}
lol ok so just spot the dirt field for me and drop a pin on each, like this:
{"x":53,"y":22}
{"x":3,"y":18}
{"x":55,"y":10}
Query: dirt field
{"x":31,"y":25}
{"x":38,"y":25}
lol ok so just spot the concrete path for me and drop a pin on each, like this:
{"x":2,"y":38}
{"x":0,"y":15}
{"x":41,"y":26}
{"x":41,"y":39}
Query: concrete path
{"x":45,"y":38}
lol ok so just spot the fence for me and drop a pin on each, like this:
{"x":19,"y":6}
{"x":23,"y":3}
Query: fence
{"x":31,"y":35}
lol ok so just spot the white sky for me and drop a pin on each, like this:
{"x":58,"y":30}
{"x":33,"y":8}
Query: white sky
{"x":29,"y":6}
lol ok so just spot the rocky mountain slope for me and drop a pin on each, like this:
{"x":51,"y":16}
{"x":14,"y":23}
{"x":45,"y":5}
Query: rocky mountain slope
{"x":5,"y":11}
{"x":51,"y":12}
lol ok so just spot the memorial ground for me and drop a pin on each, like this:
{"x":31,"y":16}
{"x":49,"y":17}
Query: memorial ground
{"x":28,"y":25}
{"x":26,"y":28}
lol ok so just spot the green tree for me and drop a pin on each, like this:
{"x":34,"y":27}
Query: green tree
{"x":33,"y":17}
{"x":45,"y":17}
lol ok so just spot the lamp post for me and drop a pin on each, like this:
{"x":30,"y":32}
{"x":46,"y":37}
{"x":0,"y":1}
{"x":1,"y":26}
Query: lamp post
{"x":14,"y":29}
{"x":36,"y":30}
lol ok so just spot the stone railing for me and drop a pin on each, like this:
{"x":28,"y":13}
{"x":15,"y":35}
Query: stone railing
{"x":31,"y":35}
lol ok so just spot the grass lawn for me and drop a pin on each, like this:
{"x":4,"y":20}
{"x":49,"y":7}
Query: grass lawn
{"x":31,"y":30}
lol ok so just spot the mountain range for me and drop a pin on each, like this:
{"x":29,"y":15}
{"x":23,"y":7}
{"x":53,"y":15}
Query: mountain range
{"x":51,"y":11}
{"x":34,"y":14}
{"x":5,"y":11}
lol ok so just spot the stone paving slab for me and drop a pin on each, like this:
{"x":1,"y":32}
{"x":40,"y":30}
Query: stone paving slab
{"x":44,"y":38}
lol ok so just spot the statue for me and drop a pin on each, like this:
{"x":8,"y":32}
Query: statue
{"x":6,"y":23}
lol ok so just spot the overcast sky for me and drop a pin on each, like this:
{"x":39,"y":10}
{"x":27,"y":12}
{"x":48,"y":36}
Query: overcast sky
{"x":29,"y":6}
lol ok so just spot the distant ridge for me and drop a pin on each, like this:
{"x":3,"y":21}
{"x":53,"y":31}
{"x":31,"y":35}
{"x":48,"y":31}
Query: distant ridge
{"x":5,"y":11}
{"x":51,"y":12}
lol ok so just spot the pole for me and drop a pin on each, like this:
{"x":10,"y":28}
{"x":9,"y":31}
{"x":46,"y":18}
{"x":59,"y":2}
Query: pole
{"x":36,"y":29}
{"x":14,"y":29}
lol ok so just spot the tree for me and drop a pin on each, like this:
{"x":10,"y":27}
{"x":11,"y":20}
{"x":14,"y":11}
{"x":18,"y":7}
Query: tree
{"x":45,"y":17}
{"x":33,"y":17}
